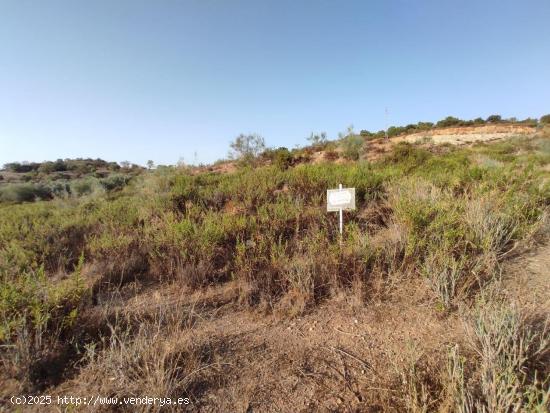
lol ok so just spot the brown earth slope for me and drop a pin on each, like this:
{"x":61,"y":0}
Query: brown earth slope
{"x":343,"y":356}
{"x":453,"y":136}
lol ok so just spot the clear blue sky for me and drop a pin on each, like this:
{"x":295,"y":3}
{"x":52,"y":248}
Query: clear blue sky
{"x":137,"y":80}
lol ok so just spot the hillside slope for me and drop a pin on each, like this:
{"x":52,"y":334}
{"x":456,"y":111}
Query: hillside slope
{"x":461,"y":135}
{"x":236,"y":291}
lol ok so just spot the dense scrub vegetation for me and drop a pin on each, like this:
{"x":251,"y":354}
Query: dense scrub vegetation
{"x":80,"y":165}
{"x":34,"y":181}
{"x":62,"y":179}
{"x":449,"y":219}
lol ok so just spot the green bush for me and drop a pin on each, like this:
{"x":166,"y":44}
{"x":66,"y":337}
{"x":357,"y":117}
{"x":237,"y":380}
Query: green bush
{"x":61,"y":189}
{"x":19,"y":193}
{"x":83,"y":186}
{"x":407,"y":155}
{"x":494,"y":119}
{"x":352,"y":146}
{"x":114,"y":182}
{"x":246,"y":148}
{"x":449,"y":121}
{"x":530,"y":122}
{"x":281,"y":157}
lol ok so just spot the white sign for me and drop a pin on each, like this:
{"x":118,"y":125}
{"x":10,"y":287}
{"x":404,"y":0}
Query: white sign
{"x":340,"y":199}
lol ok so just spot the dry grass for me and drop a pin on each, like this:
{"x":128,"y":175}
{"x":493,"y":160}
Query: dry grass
{"x":510,"y":370}
{"x":493,"y":230}
{"x":513,"y":349}
{"x":154,"y":353}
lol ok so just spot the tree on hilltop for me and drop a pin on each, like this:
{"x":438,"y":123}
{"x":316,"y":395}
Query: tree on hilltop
{"x":494,"y":119}
{"x":318,"y":139}
{"x":247,"y":147}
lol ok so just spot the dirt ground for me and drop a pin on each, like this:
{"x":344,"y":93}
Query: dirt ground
{"x":348,"y":354}
{"x":527,"y":280}
{"x":344,"y":355}
{"x":461,"y":135}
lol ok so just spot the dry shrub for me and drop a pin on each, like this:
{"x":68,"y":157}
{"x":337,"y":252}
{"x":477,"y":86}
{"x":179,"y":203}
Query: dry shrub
{"x":492,"y":230}
{"x":417,"y":396}
{"x":419,"y":381}
{"x":196,"y":275}
{"x":39,"y":326}
{"x":455,"y":279}
{"x":36,"y":357}
{"x":300,"y":274}
{"x":444,"y":275}
{"x":142,"y":359}
{"x":458,"y":398}
{"x":319,"y":268}
{"x":512,"y":349}
{"x":309,"y":276}
{"x":273,"y":267}
{"x":512,"y":369}
{"x":389,"y":244}
{"x":296,"y":274}
{"x":541,"y":229}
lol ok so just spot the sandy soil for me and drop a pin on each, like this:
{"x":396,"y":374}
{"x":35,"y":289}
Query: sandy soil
{"x":461,"y":135}
{"x":527,"y":280}
{"x":454,"y":136}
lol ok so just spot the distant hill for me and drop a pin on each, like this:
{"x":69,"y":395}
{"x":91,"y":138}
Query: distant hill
{"x":63,"y":178}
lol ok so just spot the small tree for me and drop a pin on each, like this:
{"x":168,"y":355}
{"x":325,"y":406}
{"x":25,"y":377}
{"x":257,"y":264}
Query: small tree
{"x":448,"y":121}
{"x":494,"y":119}
{"x":531,"y":122}
{"x":150,"y":164}
{"x":60,"y":165}
{"x":352,"y":144}
{"x":424,"y":126}
{"x":545,"y":120}
{"x":113,"y":166}
{"x":281,"y":157}
{"x":114,"y":182}
{"x":318,"y":139}
{"x":247,"y":147}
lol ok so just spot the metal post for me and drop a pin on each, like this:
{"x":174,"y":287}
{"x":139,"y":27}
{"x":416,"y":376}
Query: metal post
{"x":341,"y":215}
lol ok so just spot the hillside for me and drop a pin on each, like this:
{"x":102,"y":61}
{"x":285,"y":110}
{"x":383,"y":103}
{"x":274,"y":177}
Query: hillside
{"x":229,"y":284}
{"x":459,"y":135}
{"x":375,"y":147}
{"x":469,"y":134}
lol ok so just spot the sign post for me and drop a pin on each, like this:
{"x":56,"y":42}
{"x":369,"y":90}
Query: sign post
{"x":341,"y":215}
{"x":340,"y":199}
